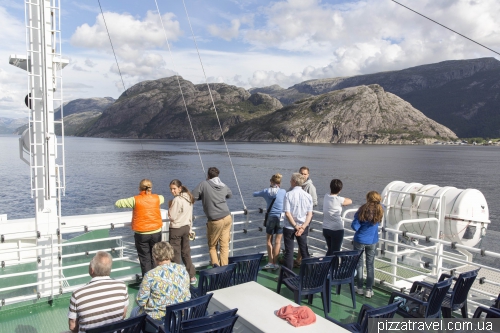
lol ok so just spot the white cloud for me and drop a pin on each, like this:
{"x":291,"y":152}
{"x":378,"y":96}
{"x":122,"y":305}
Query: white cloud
{"x":224,"y":32}
{"x":89,"y":63}
{"x":128,"y":34}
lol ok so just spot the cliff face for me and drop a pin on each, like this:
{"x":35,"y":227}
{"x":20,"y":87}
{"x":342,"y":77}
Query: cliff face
{"x":363,"y":114}
{"x":155,"y":109}
{"x":95,"y":104}
{"x":460,"y":94}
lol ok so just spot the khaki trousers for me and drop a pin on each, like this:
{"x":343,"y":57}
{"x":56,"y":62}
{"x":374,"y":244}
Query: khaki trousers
{"x":219,"y":232}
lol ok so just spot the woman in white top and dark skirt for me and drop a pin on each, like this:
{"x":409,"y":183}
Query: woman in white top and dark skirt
{"x":333,"y":225}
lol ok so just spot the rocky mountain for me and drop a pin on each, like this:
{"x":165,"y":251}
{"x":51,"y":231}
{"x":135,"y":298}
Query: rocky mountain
{"x":80,"y":105}
{"x":9,"y":125}
{"x":155,"y":109}
{"x":79,"y":115}
{"x":460,"y":94}
{"x":362,"y":114}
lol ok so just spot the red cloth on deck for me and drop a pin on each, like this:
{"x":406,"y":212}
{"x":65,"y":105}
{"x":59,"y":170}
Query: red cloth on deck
{"x":297,"y":315}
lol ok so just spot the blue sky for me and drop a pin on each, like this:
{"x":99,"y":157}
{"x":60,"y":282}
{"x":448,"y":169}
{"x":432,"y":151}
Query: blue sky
{"x":248,"y":43}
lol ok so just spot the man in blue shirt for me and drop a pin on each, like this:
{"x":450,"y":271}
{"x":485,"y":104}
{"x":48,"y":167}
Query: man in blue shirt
{"x":298,"y":206}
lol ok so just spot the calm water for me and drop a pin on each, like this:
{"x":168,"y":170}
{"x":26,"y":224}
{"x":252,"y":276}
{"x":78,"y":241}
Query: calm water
{"x":100,"y":171}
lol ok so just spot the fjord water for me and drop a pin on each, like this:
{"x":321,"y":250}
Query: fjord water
{"x":100,"y":171}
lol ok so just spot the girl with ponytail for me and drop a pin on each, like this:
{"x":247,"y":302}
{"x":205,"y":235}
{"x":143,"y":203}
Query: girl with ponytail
{"x":180,"y":213}
{"x":365,"y":223}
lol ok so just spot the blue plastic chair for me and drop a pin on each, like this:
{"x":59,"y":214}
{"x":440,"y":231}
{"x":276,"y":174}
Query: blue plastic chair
{"x":490,"y":312}
{"x":222,"y":322}
{"x":456,"y":299}
{"x":312,"y":279}
{"x":213,"y":279}
{"x":433,"y":303}
{"x":177,"y":313}
{"x":343,"y":270}
{"x":368,"y":312}
{"x":131,"y":325}
{"x":247,"y":268}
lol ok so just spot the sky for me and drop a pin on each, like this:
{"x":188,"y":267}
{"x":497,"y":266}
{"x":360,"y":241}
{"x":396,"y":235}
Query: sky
{"x":248,"y":43}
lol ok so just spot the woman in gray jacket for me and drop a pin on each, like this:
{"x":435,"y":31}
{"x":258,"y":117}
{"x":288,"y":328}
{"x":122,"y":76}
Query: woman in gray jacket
{"x":180,"y":213}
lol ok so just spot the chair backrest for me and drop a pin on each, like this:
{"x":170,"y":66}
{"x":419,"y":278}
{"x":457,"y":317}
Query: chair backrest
{"x":222,"y":322}
{"x":387,"y":311}
{"x":314,"y":271}
{"x":490,"y":312}
{"x":436,"y":298}
{"x":344,"y":264}
{"x":215,"y":278}
{"x":461,"y":288}
{"x":247,"y":268}
{"x":131,"y":325}
{"x":176,"y":313}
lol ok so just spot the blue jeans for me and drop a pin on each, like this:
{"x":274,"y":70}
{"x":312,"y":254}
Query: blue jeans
{"x":333,"y":240}
{"x":370,"y":258}
{"x":149,"y":327}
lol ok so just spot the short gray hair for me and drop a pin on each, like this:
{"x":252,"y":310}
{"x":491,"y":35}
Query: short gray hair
{"x":163,"y":251}
{"x":101,"y":263}
{"x":298,"y":179}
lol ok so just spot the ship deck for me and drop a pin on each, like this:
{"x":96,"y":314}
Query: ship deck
{"x":45,"y":317}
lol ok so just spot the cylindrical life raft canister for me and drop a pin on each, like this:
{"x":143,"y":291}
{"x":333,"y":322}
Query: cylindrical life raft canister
{"x":466,"y":211}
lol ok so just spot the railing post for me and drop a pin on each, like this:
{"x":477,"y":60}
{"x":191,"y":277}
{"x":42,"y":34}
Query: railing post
{"x":231,"y":242}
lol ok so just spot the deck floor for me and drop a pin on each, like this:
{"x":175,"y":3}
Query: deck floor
{"x":44,"y":318}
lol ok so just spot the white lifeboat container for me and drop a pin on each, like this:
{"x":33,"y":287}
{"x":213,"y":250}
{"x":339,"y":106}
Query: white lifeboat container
{"x":466,"y":211}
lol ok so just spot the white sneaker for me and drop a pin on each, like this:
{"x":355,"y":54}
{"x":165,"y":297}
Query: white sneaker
{"x":268,"y":266}
{"x":276,"y":267}
{"x":368,"y":293}
{"x":358,"y":291}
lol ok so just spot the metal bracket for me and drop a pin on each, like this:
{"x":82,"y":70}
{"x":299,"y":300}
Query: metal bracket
{"x":427,"y":239}
{"x":38,"y":259}
{"x":404,"y":233}
{"x":3,"y":301}
{"x":2,"y":238}
{"x":481,"y":280}
{"x":38,"y":295}
{"x":382,"y":251}
{"x":137,"y":278}
{"x":38,"y":235}
{"x":483,"y":252}
{"x":382,"y":282}
{"x":383,"y":229}
{"x":3,"y":264}
{"x":60,"y":290}
{"x":244,"y":231}
{"x":402,"y":289}
{"x":246,"y":211}
{"x":58,"y":232}
{"x":260,"y":229}
{"x":452,"y":271}
{"x":112,"y":226}
{"x":113,"y":250}
{"x":86,"y":253}
{"x":59,"y":256}
{"x":427,"y":264}
{"x":85,"y":228}
{"x":311,"y":229}
{"x":453,"y":245}
{"x":261,"y":210}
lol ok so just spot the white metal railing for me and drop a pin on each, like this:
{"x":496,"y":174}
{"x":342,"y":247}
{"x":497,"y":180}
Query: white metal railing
{"x":246,"y":235}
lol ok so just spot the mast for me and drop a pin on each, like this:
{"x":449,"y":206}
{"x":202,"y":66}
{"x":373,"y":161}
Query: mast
{"x":45,"y":155}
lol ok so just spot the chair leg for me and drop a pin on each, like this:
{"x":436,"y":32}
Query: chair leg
{"x":353,"y":295}
{"x":298,"y":296}
{"x":326,"y":308}
{"x":446,"y":312}
{"x":338,"y":289}
{"x":328,"y":295}
{"x":310,"y":299}
{"x":464,"y":310}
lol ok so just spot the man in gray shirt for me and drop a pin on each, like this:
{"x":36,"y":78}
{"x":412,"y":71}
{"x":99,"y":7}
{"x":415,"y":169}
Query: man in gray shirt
{"x":213,"y":194}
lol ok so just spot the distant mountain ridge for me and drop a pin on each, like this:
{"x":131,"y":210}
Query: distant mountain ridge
{"x":460,"y":94}
{"x":362,"y":114}
{"x":9,"y":125}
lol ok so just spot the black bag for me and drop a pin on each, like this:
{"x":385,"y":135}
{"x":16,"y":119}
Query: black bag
{"x":267,"y":212}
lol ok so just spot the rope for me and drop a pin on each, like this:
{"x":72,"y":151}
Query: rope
{"x":213,"y":103}
{"x":109,"y":36}
{"x":180,"y":89}
{"x":446,"y":27}
{"x":121,"y":76}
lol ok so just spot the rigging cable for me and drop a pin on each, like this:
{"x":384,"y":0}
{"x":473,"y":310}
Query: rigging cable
{"x":213,"y":103}
{"x":182,"y":94}
{"x":446,"y":27}
{"x":121,"y":76}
